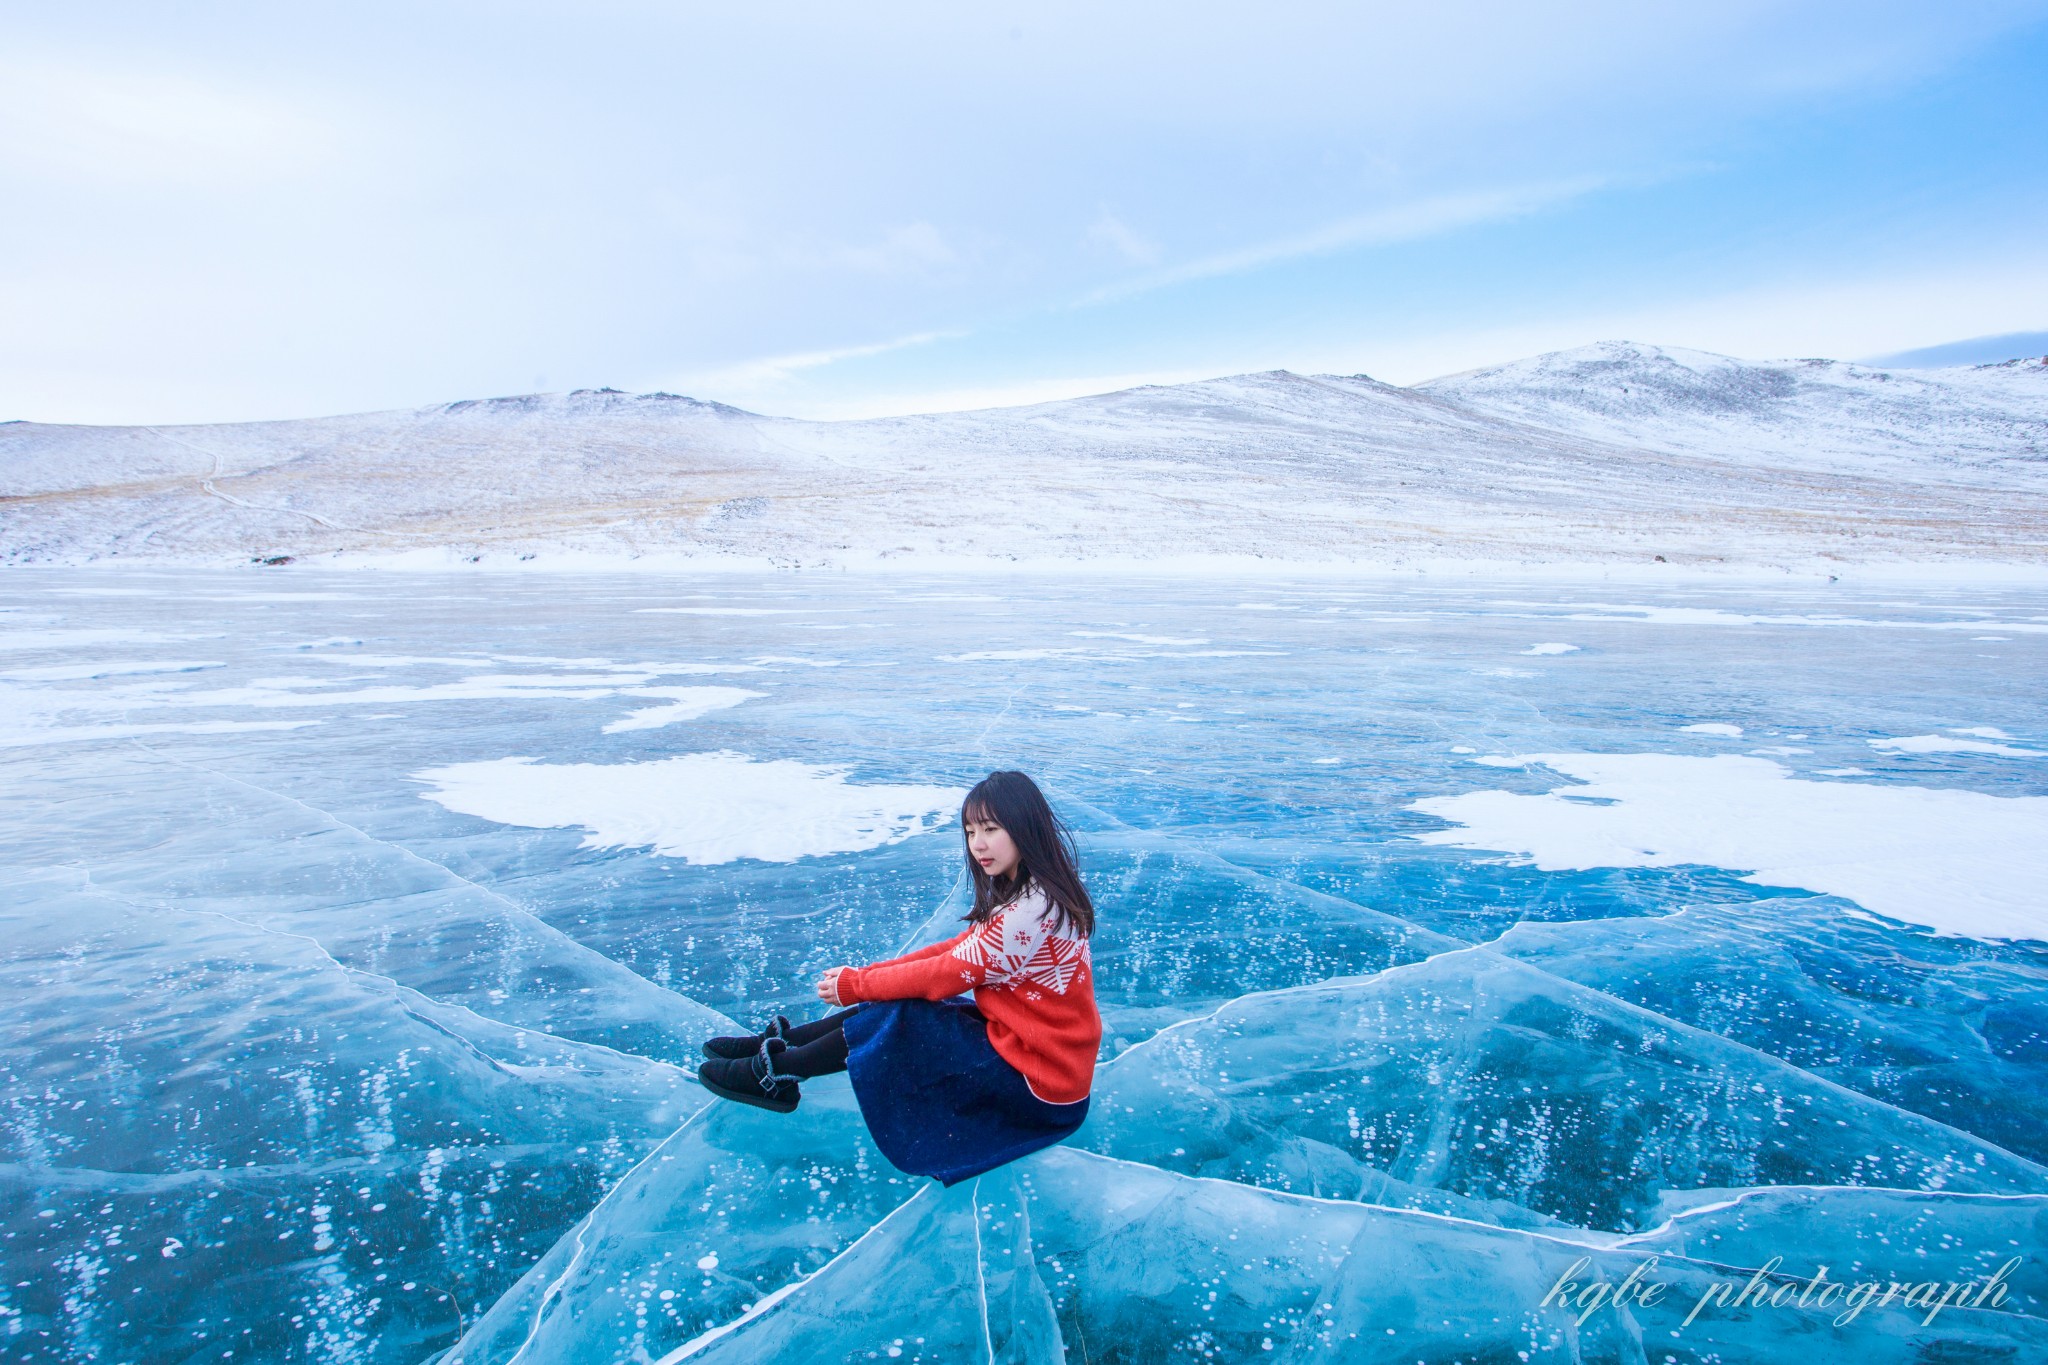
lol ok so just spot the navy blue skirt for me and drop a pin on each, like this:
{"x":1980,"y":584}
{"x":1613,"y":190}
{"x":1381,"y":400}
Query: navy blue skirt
{"x":938,"y":1099}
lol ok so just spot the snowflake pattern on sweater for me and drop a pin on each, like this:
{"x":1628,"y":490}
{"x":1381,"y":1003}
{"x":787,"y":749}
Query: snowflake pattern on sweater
{"x":1020,"y":947}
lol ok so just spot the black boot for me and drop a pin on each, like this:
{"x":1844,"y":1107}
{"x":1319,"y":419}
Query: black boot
{"x":752,"y":1080}
{"x":749,"y":1045}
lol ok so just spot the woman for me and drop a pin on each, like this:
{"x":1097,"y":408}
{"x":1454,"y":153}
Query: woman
{"x":952,"y":1089}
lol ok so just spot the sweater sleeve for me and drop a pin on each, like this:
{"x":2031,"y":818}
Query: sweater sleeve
{"x":929,"y":950}
{"x":936,"y":973}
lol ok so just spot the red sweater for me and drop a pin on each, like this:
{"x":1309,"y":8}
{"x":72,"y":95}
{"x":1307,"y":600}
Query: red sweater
{"x":1035,"y":986}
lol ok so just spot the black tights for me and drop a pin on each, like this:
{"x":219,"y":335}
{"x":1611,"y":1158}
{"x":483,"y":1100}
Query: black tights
{"x":815,"y":1049}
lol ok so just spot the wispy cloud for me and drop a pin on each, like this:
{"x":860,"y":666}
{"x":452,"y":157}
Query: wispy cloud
{"x":752,"y":376}
{"x":909,"y":249}
{"x":1111,"y":231}
{"x":1408,"y":222}
{"x":897,"y":403}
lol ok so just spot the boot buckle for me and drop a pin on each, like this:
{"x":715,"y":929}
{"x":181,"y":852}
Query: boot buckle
{"x":765,"y":1071}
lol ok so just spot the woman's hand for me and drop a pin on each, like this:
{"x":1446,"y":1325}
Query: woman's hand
{"x":828,"y":986}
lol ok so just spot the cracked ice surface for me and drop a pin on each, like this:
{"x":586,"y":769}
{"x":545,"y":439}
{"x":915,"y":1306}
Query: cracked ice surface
{"x":358,"y":938}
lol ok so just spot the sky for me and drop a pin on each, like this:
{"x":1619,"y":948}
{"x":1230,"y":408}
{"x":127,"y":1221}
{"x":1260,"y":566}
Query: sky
{"x":218,"y":212}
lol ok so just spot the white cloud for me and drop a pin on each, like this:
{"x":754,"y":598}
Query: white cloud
{"x":969,"y":398}
{"x":753,"y":378}
{"x":127,"y":126}
{"x":1405,"y":222}
{"x":1112,"y":232}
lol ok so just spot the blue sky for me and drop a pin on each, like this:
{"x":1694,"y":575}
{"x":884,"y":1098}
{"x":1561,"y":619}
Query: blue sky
{"x":230,"y":211}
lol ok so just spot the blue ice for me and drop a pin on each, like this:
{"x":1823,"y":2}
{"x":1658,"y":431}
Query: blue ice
{"x":360,"y":931}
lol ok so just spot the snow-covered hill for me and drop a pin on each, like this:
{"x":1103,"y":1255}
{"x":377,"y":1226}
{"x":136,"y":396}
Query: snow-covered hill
{"x":1614,"y":452}
{"x":1827,"y":414}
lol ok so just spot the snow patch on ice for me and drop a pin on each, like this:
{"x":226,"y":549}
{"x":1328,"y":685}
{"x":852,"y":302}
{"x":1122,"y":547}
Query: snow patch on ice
{"x":1943,"y":744}
{"x":1006,"y":655}
{"x":86,"y":672}
{"x":683,"y":703}
{"x":277,"y":597}
{"x":687,"y":703}
{"x":719,"y":611}
{"x":644,"y":669}
{"x":1551,"y":647}
{"x":702,"y":808}
{"x":291,"y":692}
{"x":85,"y":734}
{"x":68,"y":639}
{"x":1713,"y":727}
{"x":1958,"y":862}
{"x":1142,"y":639}
{"x":1714,"y":616}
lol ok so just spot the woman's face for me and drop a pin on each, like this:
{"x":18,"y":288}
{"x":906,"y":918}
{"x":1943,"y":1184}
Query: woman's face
{"x":989,"y":845}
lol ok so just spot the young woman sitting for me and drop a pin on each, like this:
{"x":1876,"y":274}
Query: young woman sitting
{"x":952,"y":1087}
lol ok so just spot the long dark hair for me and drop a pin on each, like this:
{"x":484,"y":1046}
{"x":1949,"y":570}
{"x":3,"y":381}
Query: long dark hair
{"x":1045,"y":851}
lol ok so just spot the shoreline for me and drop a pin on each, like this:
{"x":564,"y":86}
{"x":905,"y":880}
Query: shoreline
{"x":448,"y":561}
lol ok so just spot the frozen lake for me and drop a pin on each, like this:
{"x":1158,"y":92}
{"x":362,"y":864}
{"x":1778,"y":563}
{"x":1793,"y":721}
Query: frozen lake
{"x":360,"y":931}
